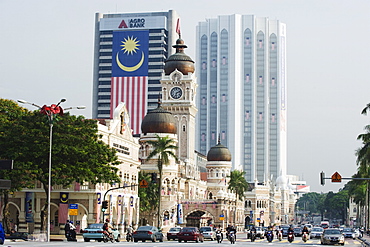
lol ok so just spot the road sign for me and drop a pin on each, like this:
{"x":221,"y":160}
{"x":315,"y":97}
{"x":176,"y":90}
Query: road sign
{"x":336,"y":178}
{"x":73,"y":209}
{"x":143,"y":184}
{"x":222,"y":217}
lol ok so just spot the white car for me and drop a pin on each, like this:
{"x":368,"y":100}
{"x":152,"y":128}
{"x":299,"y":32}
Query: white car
{"x":208,"y":232}
{"x":316,"y":232}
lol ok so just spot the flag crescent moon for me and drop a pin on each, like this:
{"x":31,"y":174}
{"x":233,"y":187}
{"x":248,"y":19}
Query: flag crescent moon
{"x":130,"y":69}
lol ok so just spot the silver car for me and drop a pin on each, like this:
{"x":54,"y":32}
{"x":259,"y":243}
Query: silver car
{"x":332,"y":236}
{"x":316,"y":232}
{"x":208,"y":232}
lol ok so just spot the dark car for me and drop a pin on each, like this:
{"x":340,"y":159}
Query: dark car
{"x":297,"y":231}
{"x":190,"y":234}
{"x":144,"y":233}
{"x":284,"y":230}
{"x":172,"y":233}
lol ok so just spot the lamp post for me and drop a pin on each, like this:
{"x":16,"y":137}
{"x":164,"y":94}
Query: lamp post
{"x":50,"y":112}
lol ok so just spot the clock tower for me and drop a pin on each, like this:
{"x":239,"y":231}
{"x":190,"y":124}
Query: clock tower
{"x":178,"y":91}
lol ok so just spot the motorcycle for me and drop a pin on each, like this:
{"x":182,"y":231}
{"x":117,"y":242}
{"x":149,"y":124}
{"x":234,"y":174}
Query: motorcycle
{"x":129,"y":237}
{"x":108,"y":237}
{"x":290,"y":237}
{"x":304,"y":236}
{"x":232,"y":237}
{"x":253,"y":236}
{"x":269,"y":236}
{"x":280,"y":235}
{"x":71,"y":235}
{"x":219,"y":236}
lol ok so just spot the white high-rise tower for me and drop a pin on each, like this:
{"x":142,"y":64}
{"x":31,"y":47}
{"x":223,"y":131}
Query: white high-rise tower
{"x":241,"y":71}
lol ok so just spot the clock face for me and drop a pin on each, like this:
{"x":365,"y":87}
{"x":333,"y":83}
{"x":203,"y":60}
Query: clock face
{"x":176,"y":92}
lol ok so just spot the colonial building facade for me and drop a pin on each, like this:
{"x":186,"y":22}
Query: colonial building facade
{"x":86,"y":199}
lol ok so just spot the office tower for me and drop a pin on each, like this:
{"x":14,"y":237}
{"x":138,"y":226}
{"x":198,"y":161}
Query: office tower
{"x":241,"y":71}
{"x":129,"y":54}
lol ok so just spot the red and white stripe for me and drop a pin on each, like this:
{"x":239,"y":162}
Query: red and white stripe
{"x":133,"y":92}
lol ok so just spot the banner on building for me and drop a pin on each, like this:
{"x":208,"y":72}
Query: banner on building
{"x":29,"y":206}
{"x":129,"y":80}
{"x":180,"y":216}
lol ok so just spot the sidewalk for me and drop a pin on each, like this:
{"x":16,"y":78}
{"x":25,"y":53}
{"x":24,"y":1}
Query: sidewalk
{"x":365,"y":239}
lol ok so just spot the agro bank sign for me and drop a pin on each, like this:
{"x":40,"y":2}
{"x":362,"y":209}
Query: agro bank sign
{"x":124,"y":23}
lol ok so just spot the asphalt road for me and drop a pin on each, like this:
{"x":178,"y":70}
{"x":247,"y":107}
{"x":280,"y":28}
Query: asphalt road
{"x":240,"y":242}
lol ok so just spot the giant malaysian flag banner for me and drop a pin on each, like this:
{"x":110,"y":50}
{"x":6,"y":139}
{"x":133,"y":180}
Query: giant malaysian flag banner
{"x":130,"y":74}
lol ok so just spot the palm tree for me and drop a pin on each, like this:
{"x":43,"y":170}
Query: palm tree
{"x":163,"y":148}
{"x":238,"y":185}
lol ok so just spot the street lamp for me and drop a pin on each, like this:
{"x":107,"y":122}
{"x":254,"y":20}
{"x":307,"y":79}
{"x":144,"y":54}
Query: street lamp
{"x":50,"y":112}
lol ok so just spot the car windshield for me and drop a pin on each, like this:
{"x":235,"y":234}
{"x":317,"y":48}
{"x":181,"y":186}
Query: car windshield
{"x":145,"y":228}
{"x":347,"y":230}
{"x":95,"y":226}
{"x":188,"y":230}
{"x":175,"y":229}
{"x":317,"y":229}
{"x":205,"y":229}
{"x":334,"y":231}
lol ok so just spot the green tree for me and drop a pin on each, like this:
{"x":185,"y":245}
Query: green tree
{"x":78,"y":154}
{"x":309,"y":202}
{"x":163,"y":149}
{"x":238,"y":185}
{"x":148,"y":196}
{"x":10,"y":112}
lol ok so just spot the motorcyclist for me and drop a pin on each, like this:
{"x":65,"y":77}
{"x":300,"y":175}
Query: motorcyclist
{"x":305,"y":230}
{"x":269,"y":230}
{"x":219,"y":232}
{"x":229,"y":229}
{"x":129,"y":231}
{"x":108,"y":227}
{"x":72,"y":231}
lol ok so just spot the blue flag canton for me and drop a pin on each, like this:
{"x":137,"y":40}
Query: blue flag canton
{"x":130,"y":53}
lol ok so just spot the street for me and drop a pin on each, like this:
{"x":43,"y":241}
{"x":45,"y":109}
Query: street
{"x":240,"y":242}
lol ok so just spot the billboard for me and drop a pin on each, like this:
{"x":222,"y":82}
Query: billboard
{"x":144,"y":22}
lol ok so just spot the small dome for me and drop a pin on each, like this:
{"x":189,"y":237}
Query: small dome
{"x":219,"y":153}
{"x":281,"y":182}
{"x":220,"y":194}
{"x":159,"y":121}
{"x":179,"y":60}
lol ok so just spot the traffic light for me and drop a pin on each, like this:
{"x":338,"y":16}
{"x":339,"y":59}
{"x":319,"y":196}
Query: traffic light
{"x":322,"y":178}
{"x":154,"y":178}
{"x":105,"y":205}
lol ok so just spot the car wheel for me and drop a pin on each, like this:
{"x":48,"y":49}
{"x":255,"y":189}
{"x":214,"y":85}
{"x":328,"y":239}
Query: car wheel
{"x":135,"y":240}
{"x":99,"y":240}
{"x":86,"y":240}
{"x":118,"y":239}
{"x":143,"y":240}
{"x":154,"y":239}
{"x":161,"y":240}
{"x":197,"y":240}
{"x":179,"y":240}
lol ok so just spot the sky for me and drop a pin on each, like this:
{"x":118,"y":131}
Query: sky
{"x":46,"y":53}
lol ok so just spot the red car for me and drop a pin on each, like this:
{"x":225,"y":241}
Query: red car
{"x":190,"y":234}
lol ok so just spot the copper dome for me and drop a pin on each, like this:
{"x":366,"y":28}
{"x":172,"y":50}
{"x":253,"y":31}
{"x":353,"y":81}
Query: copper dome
{"x":179,"y":60}
{"x":219,"y":153}
{"x":159,"y":121}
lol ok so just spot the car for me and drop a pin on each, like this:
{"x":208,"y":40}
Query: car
{"x":208,"y":232}
{"x":348,"y":233}
{"x":144,"y":233}
{"x":190,"y":234}
{"x":332,"y":236}
{"x":284,"y":230}
{"x":297,"y":231}
{"x":316,"y":232}
{"x":95,"y":232}
{"x":172,"y":233}
{"x":260,"y":232}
